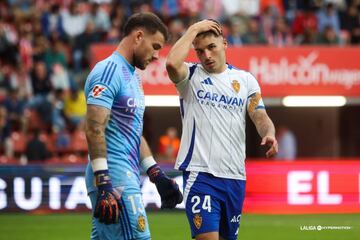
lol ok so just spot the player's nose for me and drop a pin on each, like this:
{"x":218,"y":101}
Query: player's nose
{"x":207,"y":54}
{"x":156,"y":55}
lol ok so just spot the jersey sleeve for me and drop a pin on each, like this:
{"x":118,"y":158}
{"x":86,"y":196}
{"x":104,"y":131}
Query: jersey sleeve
{"x":101,"y":87}
{"x":254,"y":99}
{"x":183,"y":86}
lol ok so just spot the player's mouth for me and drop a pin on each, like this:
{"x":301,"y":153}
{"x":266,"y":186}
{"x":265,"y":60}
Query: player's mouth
{"x":210,"y":63}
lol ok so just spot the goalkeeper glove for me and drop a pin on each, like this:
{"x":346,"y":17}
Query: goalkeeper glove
{"x":108,"y":206}
{"x":167,"y":188}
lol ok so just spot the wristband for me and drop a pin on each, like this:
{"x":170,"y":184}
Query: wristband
{"x":147,"y":162}
{"x":99,"y":164}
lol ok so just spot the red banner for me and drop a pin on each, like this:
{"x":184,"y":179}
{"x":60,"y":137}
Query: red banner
{"x":303,"y":187}
{"x":280,"y":71}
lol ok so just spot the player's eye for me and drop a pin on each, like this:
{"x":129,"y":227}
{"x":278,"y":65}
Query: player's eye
{"x":211,"y":47}
{"x":156,"y":46}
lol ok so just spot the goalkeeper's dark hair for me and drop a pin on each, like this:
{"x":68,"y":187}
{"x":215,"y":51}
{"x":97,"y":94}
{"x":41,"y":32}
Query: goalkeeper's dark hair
{"x":149,"y":21}
{"x":210,"y":32}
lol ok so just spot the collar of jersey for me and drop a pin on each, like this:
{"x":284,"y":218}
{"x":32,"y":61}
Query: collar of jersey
{"x":129,"y":66}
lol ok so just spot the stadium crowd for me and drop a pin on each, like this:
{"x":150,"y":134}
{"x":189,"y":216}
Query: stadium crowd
{"x":44,"y":55}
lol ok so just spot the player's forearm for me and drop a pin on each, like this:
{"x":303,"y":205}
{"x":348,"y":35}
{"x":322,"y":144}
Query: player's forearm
{"x":265,"y":126}
{"x":95,"y":135}
{"x":96,"y":121}
{"x":263,"y":123}
{"x":144,"y":149}
{"x":181,"y":48}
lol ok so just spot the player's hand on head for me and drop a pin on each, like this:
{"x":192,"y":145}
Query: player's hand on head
{"x":272,"y":144}
{"x":207,"y":25}
{"x":168,"y":189}
{"x":108,"y":205}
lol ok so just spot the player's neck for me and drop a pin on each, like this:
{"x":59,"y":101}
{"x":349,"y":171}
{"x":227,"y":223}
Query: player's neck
{"x":219,"y":70}
{"x":125,"y":51}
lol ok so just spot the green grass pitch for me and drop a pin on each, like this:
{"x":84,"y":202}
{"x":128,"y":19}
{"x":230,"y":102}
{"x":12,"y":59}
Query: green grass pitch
{"x":174,"y":226}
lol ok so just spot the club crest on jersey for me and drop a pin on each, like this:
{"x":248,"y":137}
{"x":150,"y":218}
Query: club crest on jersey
{"x":97,"y":90}
{"x":141,"y":223}
{"x":197,"y":221}
{"x":236,"y":86}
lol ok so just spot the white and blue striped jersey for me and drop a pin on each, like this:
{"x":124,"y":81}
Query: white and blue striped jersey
{"x":213,"y":109}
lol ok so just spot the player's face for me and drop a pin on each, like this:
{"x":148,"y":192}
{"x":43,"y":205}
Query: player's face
{"x":147,"y":48}
{"x":211,"y":52}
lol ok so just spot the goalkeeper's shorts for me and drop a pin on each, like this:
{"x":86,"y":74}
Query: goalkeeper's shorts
{"x":213,"y":204}
{"x":133,"y":223}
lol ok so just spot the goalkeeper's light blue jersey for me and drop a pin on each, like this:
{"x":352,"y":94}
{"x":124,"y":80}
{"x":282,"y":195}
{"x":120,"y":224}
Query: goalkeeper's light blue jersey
{"x":114,"y":84}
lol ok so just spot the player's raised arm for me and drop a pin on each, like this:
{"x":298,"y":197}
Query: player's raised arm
{"x":167,"y":188}
{"x":263,"y":124}
{"x":107,"y":207}
{"x":175,"y":65}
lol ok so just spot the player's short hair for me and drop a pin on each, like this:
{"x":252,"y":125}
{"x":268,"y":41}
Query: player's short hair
{"x":148,"y":21}
{"x":210,"y":32}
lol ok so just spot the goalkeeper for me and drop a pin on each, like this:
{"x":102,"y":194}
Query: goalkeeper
{"x":114,"y":123}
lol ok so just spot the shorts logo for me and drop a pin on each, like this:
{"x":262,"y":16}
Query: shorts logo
{"x":236,"y":86}
{"x":141,"y":223}
{"x":197,"y":221}
{"x":97,"y":90}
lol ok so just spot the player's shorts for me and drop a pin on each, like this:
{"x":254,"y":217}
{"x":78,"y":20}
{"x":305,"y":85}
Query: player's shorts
{"x":213,"y":204}
{"x":133,"y":223}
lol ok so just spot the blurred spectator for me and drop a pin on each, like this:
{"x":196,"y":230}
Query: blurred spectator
{"x":287,"y":144}
{"x":42,"y":87}
{"x":55,"y":54}
{"x":75,"y":106}
{"x":236,"y":28}
{"x":176,"y":30}
{"x":57,"y":102}
{"x":329,"y":37}
{"x":59,"y":77}
{"x":15,"y":109}
{"x":167,"y":8}
{"x":40,"y":47}
{"x":309,"y":37}
{"x":304,"y":20}
{"x":36,"y":149}
{"x":254,"y":34}
{"x":231,"y":7}
{"x":268,"y":19}
{"x":328,"y":16}
{"x":249,"y":7}
{"x":40,"y":80}
{"x":74,"y":21}
{"x":351,"y":22}
{"x":23,"y":83}
{"x":82,"y":44}
{"x":169,"y":144}
{"x":276,"y":5}
{"x":6,"y":147}
{"x":9,"y":38}
{"x":280,"y":35}
{"x":7,"y":78}
{"x":213,"y":9}
{"x":100,"y":18}
{"x":51,"y":21}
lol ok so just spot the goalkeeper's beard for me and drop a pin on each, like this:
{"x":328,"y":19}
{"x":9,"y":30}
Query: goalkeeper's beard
{"x":137,"y":63}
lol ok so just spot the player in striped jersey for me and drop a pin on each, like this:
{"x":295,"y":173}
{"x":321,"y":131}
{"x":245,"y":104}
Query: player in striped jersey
{"x":114,"y":124}
{"x":214,"y":99}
